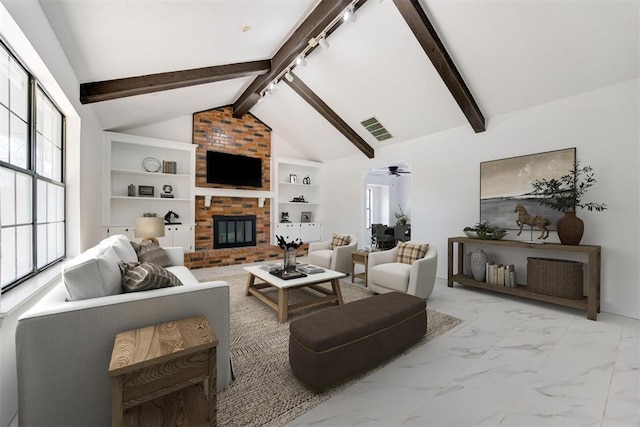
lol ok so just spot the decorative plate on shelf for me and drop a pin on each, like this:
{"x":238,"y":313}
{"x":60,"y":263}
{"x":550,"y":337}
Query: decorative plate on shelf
{"x":151,"y":164}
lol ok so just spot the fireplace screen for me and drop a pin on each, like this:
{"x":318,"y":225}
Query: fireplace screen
{"x":234,"y":231}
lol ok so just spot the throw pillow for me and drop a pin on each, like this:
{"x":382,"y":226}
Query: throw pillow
{"x":142,"y":276}
{"x":92,"y":275}
{"x":124,"y":250}
{"x":409,"y":252}
{"x":340,"y":240}
{"x":150,"y":252}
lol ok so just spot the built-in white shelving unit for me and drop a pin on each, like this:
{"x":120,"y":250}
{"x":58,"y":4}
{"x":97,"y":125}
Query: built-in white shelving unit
{"x":123,"y":166}
{"x":306,"y":184}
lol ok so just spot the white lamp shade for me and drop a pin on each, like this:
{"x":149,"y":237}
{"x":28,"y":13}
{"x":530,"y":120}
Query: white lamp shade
{"x":149,"y":227}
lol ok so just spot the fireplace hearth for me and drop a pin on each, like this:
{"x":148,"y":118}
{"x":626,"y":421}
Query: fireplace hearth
{"x":234,"y":231}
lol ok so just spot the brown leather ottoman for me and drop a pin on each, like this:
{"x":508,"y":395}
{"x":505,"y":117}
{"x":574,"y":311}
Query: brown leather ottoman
{"x":328,"y":347}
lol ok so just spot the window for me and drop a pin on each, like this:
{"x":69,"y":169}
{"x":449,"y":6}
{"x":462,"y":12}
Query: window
{"x":32,"y":192}
{"x":369,"y":207}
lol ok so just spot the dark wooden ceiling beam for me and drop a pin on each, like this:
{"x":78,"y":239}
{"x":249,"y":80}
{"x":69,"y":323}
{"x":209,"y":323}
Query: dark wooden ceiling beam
{"x":426,"y":34}
{"x":321,"y":107}
{"x":130,"y":86}
{"x":316,"y":22}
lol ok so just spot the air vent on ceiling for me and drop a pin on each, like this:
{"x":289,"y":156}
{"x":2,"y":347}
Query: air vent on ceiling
{"x":376,"y":129}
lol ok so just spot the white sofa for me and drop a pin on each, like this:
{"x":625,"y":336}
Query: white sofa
{"x":64,"y":347}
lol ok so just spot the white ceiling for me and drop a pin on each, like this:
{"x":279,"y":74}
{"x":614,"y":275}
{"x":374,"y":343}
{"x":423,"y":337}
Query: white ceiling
{"x":512,"y":54}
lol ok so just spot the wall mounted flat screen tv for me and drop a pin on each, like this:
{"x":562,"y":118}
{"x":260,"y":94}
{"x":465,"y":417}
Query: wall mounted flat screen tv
{"x":233,"y":169}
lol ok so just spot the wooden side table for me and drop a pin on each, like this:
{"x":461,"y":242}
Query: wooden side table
{"x":155,"y":374}
{"x":362,"y":258}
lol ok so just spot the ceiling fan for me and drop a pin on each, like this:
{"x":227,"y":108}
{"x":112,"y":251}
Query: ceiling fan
{"x":391,"y":171}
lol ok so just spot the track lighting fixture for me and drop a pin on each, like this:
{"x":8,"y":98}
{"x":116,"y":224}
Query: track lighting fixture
{"x":321,"y":39}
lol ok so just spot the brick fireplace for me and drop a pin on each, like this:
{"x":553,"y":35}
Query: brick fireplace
{"x":218,"y":130}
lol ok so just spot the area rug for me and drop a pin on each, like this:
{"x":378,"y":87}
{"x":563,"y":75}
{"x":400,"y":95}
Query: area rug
{"x":265,"y":392}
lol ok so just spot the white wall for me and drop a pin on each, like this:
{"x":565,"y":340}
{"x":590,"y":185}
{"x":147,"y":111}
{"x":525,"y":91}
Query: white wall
{"x":24,"y":27}
{"x":179,"y":129}
{"x":602,"y":124}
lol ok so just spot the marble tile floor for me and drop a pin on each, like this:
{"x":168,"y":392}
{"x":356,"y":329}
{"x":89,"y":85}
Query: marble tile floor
{"x":513,"y":362}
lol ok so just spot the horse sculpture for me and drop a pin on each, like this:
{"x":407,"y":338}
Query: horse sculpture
{"x":525,"y":218}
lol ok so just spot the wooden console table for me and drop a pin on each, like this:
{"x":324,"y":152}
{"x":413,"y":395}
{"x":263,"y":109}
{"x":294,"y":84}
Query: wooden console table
{"x":590,"y":303}
{"x":155,"y":374}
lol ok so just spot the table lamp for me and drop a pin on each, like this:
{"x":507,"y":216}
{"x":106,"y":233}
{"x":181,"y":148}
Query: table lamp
{"x":149,"y":228}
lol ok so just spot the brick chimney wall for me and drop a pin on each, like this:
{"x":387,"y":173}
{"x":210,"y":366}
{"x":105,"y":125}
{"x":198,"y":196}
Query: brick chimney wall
{"x":218,"y":130}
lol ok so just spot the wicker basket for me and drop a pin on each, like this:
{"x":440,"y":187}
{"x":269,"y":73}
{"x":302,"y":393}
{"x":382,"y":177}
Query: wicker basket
{"x":558,"y":277}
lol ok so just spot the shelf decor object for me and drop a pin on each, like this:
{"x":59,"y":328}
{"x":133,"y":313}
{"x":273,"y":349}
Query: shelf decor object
{"x":151,"y":164}
{"x":590,"y":303}
{"x":146,"y":190}
{"x":479,"y":265}
{"x":565,"y":195}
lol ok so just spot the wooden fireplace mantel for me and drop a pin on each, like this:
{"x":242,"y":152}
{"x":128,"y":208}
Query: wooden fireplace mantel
{"x":208,"y":193}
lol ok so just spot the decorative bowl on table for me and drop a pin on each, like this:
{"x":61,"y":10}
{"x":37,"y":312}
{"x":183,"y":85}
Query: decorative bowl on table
{"x":471,"y":234}
{"x":485,"y":231}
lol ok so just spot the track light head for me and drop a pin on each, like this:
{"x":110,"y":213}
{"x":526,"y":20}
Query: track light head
{"x":323,"y":43}
{"x":301,"y":61}
{"x":289,"y":76}
{"x":350,"y":15}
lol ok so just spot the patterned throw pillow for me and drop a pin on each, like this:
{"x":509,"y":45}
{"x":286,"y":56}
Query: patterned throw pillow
{"x":150,"y":252}
{"x":339,"y":240}
{"x":142,"y":276}
{"x":409,"y":252}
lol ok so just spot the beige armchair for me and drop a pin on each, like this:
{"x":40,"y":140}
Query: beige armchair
{"x":337,"y":259}
{"x":387,"y":275}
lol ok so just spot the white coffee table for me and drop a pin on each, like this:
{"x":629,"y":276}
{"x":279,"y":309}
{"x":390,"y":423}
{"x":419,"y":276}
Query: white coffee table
{"x":282,"y":307}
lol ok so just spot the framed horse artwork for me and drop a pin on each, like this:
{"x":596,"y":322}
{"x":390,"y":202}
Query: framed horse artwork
{"x":505,"y":190}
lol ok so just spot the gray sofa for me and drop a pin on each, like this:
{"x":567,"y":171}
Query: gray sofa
{"x":63,"y":348}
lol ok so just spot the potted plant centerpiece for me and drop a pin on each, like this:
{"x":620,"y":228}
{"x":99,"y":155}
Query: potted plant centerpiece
{"x":565,"y":194}
{"x":401,"y":217}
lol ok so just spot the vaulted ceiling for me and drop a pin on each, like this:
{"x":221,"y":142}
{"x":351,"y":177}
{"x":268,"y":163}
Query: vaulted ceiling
{"x":512,"y":55}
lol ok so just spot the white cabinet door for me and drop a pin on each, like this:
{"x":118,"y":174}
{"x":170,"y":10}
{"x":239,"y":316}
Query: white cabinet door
{"x":177,"y":236}
{"x":182,"y":236}
{"x":290,"y":231}
{"x":111,"y":231}
{"x":311,"y":232}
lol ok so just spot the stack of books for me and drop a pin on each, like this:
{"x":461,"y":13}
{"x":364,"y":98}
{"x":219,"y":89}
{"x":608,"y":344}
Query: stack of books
{"x":272,"y":266}
{"x":169,"y":167}
{"x":310,"y":269}
{"x":501,"y":275}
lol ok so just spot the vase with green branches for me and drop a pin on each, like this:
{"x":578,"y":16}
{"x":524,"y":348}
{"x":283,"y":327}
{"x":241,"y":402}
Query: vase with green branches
{"x":401,"y":217}
{"x":565,"y":194}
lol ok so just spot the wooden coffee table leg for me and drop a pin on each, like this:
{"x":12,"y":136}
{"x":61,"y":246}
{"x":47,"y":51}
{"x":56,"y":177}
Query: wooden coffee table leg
{"x":335,"y":284}
{"x":283,"y":304}
{"x":250,"y":282}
